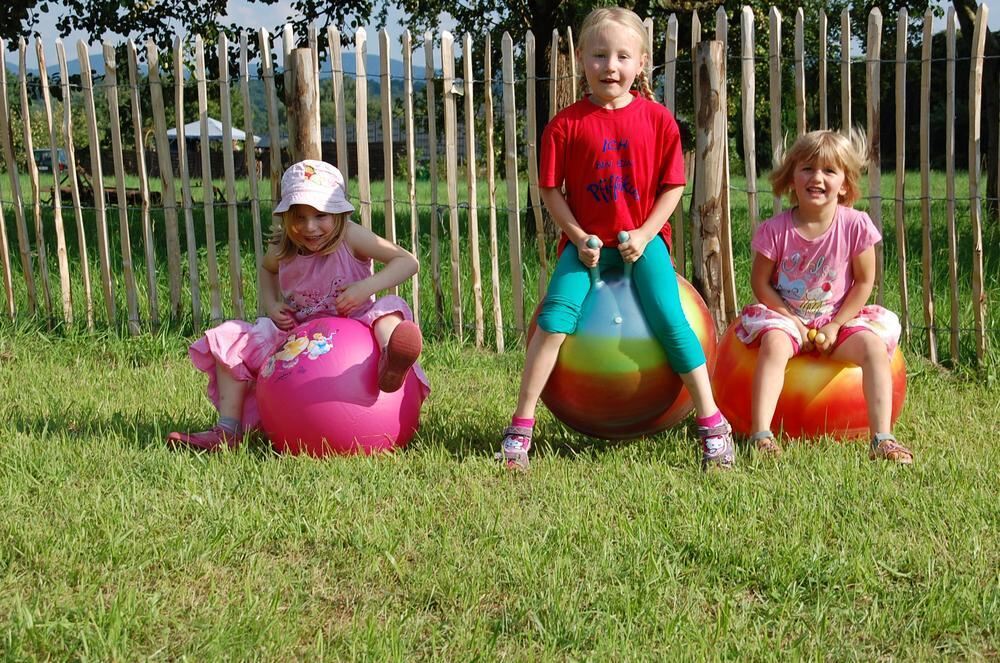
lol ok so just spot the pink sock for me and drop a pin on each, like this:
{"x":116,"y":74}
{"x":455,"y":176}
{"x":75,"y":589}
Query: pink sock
{"x":710,"y":421}
{"x":524,"y":423}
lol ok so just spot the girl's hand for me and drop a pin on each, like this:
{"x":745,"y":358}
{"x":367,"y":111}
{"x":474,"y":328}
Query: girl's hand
{"x":281,"y":314}
{"x":826,"y":336}
{"x":634,"y":247}
{"x":351,"y":298}
{"x":807,"y":336}
{"x":588,"y":256}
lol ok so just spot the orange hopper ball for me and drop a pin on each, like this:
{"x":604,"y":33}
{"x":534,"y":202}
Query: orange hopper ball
{"x":819,"y":397}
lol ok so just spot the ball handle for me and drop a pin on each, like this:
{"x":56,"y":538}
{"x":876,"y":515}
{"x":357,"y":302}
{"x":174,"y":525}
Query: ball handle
{"x":595,"y":272}
{"x":623,"y":237}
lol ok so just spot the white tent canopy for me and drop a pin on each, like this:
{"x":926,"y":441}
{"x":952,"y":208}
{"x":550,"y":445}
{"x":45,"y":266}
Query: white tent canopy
{"x":192,"y":131}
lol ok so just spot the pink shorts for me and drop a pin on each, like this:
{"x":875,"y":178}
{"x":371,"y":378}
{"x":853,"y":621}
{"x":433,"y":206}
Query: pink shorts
{"x":755,"y":319}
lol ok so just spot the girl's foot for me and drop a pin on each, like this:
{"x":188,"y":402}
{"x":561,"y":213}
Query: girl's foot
{"x":209,"y":440}
{"x":765,"y":444}
{"x":717,"y":448}
{"x":398,"y":355}
{"x":885,"y":446}
{"x":514,"y":447}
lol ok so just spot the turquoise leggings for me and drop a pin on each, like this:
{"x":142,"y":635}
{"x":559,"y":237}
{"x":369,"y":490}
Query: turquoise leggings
{"x":656,"y":283}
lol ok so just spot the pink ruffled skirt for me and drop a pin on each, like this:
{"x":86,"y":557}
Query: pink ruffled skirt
{"x":755,"y":319}
{"x":242,"y":347}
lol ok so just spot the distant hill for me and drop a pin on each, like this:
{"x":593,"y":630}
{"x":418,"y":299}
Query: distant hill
{"x":350,"y":68}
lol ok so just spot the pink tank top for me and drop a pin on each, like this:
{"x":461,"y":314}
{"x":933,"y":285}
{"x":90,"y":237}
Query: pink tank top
{"x":311,"y":283}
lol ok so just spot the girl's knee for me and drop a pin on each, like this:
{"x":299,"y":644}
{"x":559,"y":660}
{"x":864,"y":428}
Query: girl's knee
{"x":775,"y":344}
{"x":865,"y":349}
{"x":558,"y":316}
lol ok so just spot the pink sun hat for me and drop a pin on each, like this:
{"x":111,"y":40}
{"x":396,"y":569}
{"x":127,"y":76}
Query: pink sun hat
{"x":313,"y":183}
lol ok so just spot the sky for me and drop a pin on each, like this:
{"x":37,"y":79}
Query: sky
{"x":258,"y":15}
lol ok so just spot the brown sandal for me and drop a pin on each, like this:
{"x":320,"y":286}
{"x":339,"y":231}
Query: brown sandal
{"x":884,"y":446}
{"x":764,"y":443}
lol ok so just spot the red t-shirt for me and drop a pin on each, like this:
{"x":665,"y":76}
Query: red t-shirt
{"x":614,"y":163}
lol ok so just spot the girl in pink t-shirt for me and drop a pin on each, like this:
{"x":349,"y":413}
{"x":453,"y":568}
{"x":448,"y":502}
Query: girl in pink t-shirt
{"x":813,"y":271}
{"x":319,"y":263}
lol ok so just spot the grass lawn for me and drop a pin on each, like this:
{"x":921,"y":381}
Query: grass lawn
{"x":114,"y":548}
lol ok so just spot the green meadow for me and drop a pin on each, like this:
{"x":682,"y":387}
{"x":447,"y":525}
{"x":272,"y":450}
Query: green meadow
{"x":113,"y":547}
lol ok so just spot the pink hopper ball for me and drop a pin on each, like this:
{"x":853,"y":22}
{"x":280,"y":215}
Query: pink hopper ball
{"x":318,"y":394}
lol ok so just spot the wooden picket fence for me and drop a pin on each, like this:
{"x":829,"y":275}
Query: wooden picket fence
{"x":519,"y":158}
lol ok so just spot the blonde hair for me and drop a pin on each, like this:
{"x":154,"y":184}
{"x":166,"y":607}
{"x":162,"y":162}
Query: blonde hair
{"x":848,"y":152}
{"x":280,"y":234}
{"x":626,"y":18}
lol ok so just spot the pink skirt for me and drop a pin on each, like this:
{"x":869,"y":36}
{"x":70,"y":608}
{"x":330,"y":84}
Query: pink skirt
{"x":755,"y":319}
{"x":242,"y":347}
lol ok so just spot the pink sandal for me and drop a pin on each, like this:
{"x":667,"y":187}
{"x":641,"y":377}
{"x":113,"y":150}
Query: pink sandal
{"x":514,"y":447}
{"x":398,"y":355}
{"x":717,"y":449}
{"x":209,"y":440}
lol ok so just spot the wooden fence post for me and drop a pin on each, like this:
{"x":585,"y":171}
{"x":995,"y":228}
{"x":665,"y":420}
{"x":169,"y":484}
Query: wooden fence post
{"x":169,"y":195}
{"x":748,"y":91}
{"x":62,"y":260}
{"x":140,"y":165}
{"x":873,"y":54}
{"x":451,"y":177}
{"x":975,"y":195}
{"x":491,"y":187}
{"x":949,"y":165}
{"x":361,"y":126}
{"x":904,"y":296}
{"x":229,"y":169}
{"x":125,"y":236}
{"x":24,"y":250}
{"x":774,"y":58}
{"x":388,"y":168}
{"x":925,"y":185}
{"x":513,"y":197}
{"x":305,"y":143}
{"x":411,"y":168}
{"x":32,"y":169}
{"x":708,"y":209}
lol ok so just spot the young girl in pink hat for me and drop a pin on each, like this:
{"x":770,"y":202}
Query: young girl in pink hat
{"x":318,"y":263}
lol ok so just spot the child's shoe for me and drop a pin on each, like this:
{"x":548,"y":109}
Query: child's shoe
{"x":765,"y":444}
{"x":209,"y":440}
{"x":717,"y":448}
{"x":884,"y":446}
{"x":514,"y":447}
{"x":398,"y":355}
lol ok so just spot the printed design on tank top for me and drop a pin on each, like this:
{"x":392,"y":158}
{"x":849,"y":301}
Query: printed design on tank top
{"x":806,"y":286}
{"x":308,"y":302}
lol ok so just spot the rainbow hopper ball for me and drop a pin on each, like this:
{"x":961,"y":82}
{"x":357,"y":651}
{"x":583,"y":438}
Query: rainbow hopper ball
{"x":319,"y":393}
{"x":612,"y":379}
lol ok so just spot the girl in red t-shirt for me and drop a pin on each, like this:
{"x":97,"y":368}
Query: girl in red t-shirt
{"x":618,"y":154}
